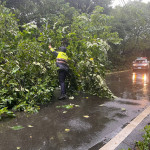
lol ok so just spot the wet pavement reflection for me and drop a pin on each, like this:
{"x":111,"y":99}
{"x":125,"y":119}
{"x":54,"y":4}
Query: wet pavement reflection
{"x":133,"y":85}
{"x":88,"y":125}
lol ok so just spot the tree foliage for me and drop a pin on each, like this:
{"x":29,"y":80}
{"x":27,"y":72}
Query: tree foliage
{"x":132,"y":22}
{"x":87,"y":6}
{"x":25,"y":80}
{"x":28,"y":73}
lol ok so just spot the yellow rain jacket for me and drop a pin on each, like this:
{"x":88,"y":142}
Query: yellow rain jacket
{"x":61,"y":60}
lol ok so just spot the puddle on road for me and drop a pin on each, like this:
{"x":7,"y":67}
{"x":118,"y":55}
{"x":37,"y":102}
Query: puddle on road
{"x":52,"y":129}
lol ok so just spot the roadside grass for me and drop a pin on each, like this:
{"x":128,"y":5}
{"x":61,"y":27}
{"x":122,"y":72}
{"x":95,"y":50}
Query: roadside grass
{"x":145,"y":143}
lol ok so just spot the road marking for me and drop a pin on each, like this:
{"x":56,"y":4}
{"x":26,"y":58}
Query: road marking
{"x":113,"y":143}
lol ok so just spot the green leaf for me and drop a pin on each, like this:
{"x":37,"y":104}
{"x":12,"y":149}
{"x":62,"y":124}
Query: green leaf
{"x":17,"y":127}
{"x":15,"y":70}
{"x":58,"y":106}
{"x":69,"y":106}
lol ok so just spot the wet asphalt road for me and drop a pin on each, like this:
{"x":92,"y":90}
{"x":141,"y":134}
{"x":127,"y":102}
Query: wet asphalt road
{"x":90,"y":124}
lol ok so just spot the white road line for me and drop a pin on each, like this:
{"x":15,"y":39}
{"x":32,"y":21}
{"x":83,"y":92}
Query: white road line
{"x":113,"y":143}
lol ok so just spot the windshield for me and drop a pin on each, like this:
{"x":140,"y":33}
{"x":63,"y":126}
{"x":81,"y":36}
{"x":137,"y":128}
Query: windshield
{"x":140,"y":61}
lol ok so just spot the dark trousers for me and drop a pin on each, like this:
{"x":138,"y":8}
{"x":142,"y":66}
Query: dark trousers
{"x":62,"y":76}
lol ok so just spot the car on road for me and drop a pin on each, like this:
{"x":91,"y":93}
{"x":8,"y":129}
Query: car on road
{"x":141,"y":63}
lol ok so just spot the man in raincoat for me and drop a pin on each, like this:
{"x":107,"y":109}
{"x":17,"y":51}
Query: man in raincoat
{"x":63,"y":68}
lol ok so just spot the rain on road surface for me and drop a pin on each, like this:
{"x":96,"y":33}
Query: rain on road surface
{"x":56,"y":128}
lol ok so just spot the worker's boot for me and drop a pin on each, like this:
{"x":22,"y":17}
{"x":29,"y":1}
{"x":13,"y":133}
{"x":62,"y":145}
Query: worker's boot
{"x":62,"y":97}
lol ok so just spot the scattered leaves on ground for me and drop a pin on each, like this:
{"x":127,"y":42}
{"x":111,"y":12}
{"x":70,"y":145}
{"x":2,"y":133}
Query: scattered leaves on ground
{"x":86,"y":116}
{"x":67,"y":130}
{"x":52,"y":138}
{"x":64,"y":112}
{"x":17,"y":127}
{"x":71,"y":97}
{"x":58,"y":106}
{"x":18,"y":147}
{"x":123,"y":109}
{"x":66,"y":106}
{"x":69,"y":106}
{"x":101,"y":105}
{"x":30,"y":126}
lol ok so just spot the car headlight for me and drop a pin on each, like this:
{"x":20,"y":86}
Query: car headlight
{"x":145,"y":64}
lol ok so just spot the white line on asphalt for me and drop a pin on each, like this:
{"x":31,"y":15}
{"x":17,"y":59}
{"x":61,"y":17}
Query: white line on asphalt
{"x":113,"y":143}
